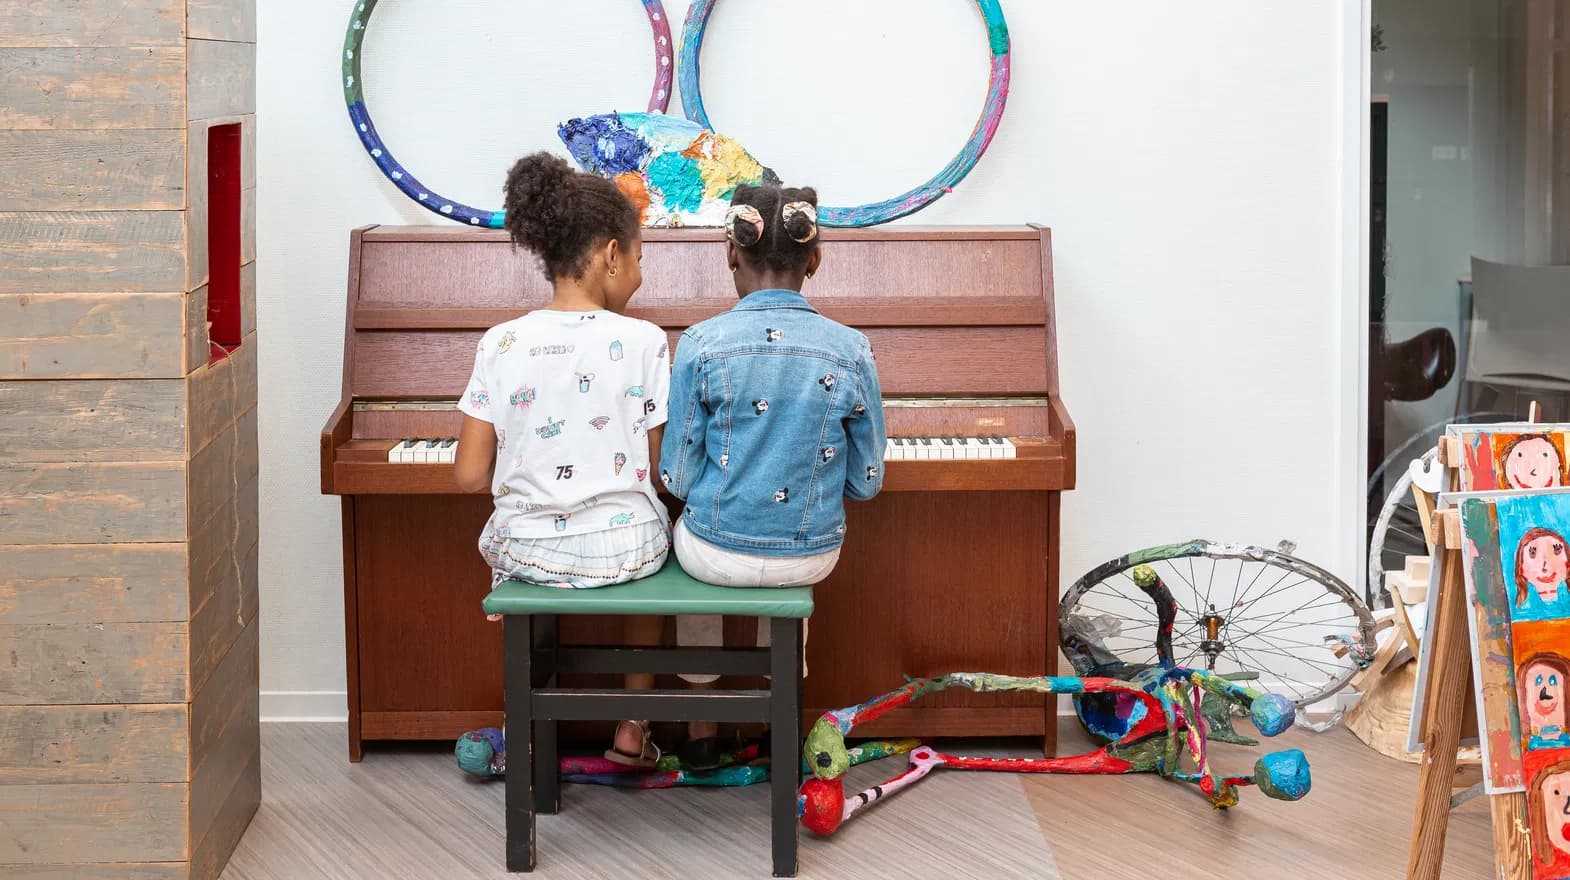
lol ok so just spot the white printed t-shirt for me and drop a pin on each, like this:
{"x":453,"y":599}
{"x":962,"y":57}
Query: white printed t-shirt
{"x":572,"y":396}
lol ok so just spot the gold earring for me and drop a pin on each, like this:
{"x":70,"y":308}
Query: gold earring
{"x":613,"y":272}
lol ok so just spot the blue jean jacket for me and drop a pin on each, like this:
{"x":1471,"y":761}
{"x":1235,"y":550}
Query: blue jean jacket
{"x":775,"y":418}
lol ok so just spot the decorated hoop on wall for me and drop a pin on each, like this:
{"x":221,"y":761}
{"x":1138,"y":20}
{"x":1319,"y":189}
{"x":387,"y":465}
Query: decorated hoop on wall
{"x":901,"y":205}
{"x":425,"y":197}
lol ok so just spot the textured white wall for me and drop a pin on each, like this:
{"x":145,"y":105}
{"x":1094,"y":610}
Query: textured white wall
{"x":1189,"y":159}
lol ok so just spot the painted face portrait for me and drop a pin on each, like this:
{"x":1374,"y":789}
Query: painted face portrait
{"x":1554,"y":802}
{"x":1540,"y":564}
{"x":1531,"y":462}
{"x":1543,"y":692}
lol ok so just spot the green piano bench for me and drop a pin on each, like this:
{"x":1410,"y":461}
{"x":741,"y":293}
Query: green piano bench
{"x":534,"y":657}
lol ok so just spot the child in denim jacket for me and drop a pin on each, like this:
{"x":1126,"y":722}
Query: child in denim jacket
{"x":775,"y":418}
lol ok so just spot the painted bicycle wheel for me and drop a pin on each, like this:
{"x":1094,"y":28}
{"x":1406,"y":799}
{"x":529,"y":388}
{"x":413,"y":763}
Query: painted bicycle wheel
{"x":901,"y":205}
{"x":407,"y":183}
{"x":1242,"y":612}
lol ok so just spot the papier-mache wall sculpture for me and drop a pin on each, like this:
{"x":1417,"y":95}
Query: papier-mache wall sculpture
{"x":676,"y":172}
{"x":1149,"y":724}
{"x":674,"y":193}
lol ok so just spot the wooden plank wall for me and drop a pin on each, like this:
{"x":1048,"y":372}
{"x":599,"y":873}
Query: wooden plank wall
{"x":128,"y":463}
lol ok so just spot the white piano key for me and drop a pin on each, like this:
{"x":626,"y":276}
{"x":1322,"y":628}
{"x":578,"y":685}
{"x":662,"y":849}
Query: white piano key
{"x":395,"y":454}
{"x":447,"y":452}
{"x":1008,"y":448}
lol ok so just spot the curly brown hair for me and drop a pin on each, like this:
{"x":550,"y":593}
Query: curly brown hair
{"x":562,"y":214}
{"x":1522,"y":585}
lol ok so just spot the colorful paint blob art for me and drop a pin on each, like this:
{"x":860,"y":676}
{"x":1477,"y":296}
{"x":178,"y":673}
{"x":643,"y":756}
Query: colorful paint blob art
{"x":676,"y":172}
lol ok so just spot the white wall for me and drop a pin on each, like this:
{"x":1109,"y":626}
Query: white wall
{"x":1189,"y":158}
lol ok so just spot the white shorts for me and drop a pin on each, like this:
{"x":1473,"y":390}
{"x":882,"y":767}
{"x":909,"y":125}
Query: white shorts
{"x":596,"y":559}
{"x":716,"y":565}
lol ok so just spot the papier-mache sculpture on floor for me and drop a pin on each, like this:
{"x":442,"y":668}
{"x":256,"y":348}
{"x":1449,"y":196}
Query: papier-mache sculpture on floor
{"x":1148,"y":723}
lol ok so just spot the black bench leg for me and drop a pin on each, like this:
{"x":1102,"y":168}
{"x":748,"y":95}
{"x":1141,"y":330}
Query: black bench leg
{"x":785,"y":740}
{"x":518,"y":645}
{"x":547,"y":767}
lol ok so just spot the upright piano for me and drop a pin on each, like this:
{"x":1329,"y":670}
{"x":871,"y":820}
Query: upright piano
{"x":954,"y":567}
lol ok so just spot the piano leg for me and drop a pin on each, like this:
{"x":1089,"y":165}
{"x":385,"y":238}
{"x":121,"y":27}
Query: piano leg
{"x":351,"y":625}
{"x":1049,"y":740}
{"x":547,"y":767}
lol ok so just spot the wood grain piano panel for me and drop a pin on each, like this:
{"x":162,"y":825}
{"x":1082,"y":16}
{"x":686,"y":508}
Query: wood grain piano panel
{"x":482,"y":270}
{"x":927,"y":360}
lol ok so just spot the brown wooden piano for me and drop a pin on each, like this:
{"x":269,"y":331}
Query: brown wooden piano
{"x":954,"y":567}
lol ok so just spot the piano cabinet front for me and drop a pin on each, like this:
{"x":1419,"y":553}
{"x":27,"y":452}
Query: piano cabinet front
{"x":928,"y":583}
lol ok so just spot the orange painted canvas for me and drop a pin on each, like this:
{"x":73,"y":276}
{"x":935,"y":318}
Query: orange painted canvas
{"x":1513,"y":460}
{"x":1542,"y":661}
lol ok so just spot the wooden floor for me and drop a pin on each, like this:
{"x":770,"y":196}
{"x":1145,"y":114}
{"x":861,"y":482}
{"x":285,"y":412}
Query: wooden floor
{"x":408,"y":812}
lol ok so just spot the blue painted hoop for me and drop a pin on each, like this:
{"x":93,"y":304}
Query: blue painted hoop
{"x":901,"y":205}
{"x":360,"y":115}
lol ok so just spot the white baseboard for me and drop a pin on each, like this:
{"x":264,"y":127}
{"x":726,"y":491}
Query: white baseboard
{"x":299,"y":706}
{"x":318,"y":706}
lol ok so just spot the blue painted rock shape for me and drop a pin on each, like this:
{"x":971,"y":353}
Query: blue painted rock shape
{"x":1272,"y":714}
{"x":1284,"y":775}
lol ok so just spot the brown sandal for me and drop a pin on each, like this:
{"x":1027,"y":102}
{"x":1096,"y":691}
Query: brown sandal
{"x":644,"y":758}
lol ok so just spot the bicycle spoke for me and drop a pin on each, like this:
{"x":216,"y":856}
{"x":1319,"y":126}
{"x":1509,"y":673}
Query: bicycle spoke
{"x":1283,"y":679}
{"x":1331,"y":668}
{"x":1313,"y":602}
{"x":1274,"y":591}
{"x":1117,"y":614}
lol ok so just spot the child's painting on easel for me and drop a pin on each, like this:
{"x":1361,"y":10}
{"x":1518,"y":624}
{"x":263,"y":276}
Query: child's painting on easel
{"x":1548,"y":812}
{"x":1513,"y":458}
{"x":1540,"y":636}
{"x":1488,"y":618}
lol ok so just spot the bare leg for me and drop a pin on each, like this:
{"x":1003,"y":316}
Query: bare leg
{"x":643,"y":632}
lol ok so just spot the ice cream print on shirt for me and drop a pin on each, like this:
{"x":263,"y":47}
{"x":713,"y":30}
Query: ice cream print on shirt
{"x":571,"y":398}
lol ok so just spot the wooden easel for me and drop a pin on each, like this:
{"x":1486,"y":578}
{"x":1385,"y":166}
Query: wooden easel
{"x":1447,"y":700}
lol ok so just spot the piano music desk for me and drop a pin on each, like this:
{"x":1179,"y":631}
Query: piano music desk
{"x":954,"y":567}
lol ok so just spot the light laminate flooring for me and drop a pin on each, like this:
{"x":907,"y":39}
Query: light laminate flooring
{"x":407,"y":812}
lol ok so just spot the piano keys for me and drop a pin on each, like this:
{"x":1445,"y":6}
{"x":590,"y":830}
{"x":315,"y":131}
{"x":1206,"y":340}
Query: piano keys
{"x":953,"y":567}
{"x":444,"y":450}
{"x":413,"y":450}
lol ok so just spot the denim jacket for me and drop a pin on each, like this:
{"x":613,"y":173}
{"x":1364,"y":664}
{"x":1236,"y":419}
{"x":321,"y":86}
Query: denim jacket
{"x":775,"y":418}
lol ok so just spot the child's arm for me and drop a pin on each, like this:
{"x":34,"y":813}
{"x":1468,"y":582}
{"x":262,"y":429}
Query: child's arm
{"x":866,"y":434}
{"x":682,"y":454}
{"x":656,"y":436}
{"x":477,"y":438}
{"x":476,"y":455}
